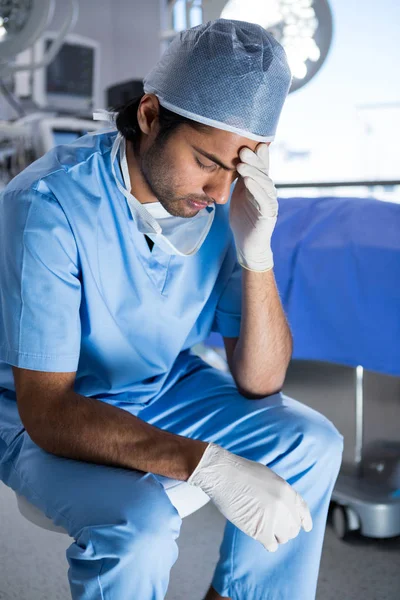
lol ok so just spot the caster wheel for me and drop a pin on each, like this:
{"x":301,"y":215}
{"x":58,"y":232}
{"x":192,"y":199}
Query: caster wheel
{"x":345,"y":522}
{"x":340,"y":522}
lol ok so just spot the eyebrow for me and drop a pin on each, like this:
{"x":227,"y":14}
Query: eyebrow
{"x":214,"y":159}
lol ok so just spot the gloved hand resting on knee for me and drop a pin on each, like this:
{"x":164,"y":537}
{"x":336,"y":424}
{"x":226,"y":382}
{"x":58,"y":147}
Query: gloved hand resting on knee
{"x":252,"y":497}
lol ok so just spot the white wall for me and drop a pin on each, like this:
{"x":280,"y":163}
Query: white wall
{"x":136,"y":38}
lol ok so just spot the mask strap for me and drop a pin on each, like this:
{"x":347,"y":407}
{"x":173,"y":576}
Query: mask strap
{"x":136,"y":208}
{"x":105,"y":115}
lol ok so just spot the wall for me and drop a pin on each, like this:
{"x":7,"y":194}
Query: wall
{"x":136,"y":38}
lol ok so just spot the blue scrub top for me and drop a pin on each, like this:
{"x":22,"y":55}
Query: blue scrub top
{"x":81,"y":290}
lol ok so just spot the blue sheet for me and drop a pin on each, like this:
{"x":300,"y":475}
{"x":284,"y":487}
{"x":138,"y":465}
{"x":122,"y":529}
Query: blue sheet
{"x":337,"y":266}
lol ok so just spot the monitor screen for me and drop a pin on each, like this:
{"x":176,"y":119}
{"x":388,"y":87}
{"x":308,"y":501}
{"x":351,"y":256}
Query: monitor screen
{"x":71,"y":71}
{"x":66,"y":136}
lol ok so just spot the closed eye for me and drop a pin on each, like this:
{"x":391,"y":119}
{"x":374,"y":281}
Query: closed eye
{"x":207,"y":167}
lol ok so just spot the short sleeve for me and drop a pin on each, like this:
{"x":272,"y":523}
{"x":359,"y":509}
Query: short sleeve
{"x":228,"y":312}
{"x":40,"y":290}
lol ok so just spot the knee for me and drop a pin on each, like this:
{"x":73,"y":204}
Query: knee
{"x":143,"y":540}
{"x":157,"y":523}
{"x":149,"y":536}
{"x":322,"y":439}
{"x":144,"y":525}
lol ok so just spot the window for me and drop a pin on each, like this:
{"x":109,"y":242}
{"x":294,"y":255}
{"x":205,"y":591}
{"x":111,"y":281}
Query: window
{"x":187,"y":14}
{"x":342,"y":123}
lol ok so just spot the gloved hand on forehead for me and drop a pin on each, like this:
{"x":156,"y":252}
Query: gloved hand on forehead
{"x":254,"y":210}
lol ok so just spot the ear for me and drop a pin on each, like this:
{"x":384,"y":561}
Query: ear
{"x":147,"y":115}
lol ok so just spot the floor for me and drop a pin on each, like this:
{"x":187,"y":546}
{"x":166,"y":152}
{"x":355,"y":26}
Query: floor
{"x":33,"y":565}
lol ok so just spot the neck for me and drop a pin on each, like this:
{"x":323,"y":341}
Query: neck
{"x":139,"y":187}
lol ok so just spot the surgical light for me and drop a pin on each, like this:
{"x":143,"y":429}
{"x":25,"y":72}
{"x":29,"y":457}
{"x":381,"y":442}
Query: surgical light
{"x":21,"y":24}
{"x":303,"y":27}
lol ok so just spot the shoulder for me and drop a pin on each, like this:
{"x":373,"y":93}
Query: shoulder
{"x":64,"y":160}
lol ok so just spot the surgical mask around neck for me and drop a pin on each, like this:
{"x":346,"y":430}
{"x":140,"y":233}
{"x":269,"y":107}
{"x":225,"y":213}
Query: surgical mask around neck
{"x":174,"y":235}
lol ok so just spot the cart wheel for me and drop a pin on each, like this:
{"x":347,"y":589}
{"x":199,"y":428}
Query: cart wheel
{"x":340,"y":522}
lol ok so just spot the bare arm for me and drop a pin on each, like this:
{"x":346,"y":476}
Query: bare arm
{"x":74,"y":426}
{"x":260,"y":357}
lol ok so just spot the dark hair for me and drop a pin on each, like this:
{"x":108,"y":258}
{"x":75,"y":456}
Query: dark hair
{"x":127,"y":123}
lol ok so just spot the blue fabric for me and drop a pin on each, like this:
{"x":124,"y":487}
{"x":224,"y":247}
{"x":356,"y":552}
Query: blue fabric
{"x":81,"y":290}
{"x":337,"y":267}
{"x":124,"y":525}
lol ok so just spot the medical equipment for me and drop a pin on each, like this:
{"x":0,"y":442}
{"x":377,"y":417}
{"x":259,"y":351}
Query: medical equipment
{"x":254,"y":210}
{"x":304,"y":28}
{"x":121,"y":93}
{"x":251,"y":496}
{"x":231,"y":75}
{"x":30,"y":137}
{"x":21,"y":25}
{"x":337,"y":274}
{"x":16,"y":150}
{"x":53,"y":131}
{"x":366,"y":497}
{"x":367,"y":493}
{"x":44,"y":64}
{"x":61,"y":86}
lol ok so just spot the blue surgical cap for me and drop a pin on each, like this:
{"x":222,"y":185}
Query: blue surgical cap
{"x":232,"y":75}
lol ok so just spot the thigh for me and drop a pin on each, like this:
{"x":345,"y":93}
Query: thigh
{"x":77,"y":495}
{"x":205,"y":404}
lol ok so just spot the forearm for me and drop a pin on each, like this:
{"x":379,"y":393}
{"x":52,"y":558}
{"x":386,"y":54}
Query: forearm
{"x":264,"y":347}
{"x":90,"y":430}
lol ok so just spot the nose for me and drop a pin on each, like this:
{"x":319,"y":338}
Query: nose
{"x":219,"y":188}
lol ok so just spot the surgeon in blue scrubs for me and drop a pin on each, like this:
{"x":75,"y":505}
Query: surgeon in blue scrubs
{"x":118,"y":253}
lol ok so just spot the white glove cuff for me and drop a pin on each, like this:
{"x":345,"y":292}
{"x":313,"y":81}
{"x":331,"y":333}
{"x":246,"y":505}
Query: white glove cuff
{"x":208,"y":458}
{"x":259,"y":267}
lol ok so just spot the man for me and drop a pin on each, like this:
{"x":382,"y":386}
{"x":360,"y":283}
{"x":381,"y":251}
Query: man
{"x":118,"y":254}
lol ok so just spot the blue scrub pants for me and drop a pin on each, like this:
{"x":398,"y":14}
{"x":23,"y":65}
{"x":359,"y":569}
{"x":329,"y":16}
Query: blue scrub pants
{"x":124,"y":526}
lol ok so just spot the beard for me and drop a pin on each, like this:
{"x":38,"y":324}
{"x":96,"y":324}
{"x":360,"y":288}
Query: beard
{"x":157,"y":173}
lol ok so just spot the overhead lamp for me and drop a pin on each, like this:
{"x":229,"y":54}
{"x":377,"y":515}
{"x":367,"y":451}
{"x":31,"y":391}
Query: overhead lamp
{"x":303,"y":27}
{"x":21,"y":23}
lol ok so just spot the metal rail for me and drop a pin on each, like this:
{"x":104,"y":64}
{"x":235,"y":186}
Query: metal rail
{"x":326,"y":184}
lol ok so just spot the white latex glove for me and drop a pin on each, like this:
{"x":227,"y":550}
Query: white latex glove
{"x":253,"y":210}
{"x":251,"y":496}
